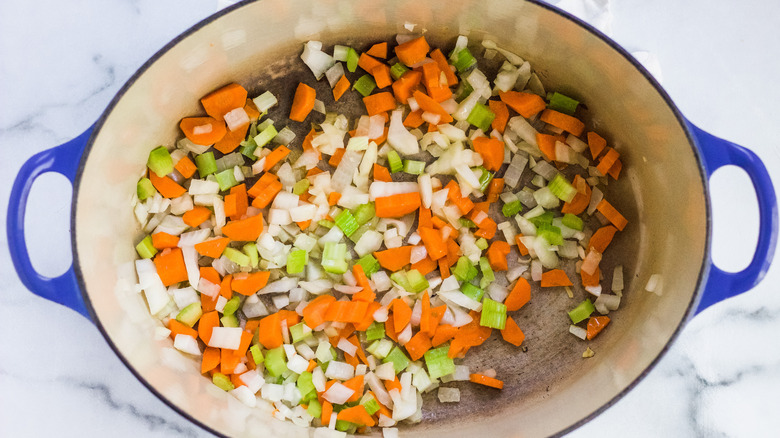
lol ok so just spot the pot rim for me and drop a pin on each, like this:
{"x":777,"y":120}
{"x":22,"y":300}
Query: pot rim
{"x":687,"y":315}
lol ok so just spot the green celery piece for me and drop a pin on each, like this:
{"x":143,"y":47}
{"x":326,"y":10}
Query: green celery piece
{"x":248,"y":148}
{"x":250,"y":249}
{"x":334,"y":258}
{"x":144,"y":189}
{"x":304,"y":383}
{"x":398,"y":70}
{"x":190,"y":314}
{"x":398,"y":358}
{"x":296,"y":261}
{"x":572,"y":221}
{"x":468,"y":223}
{"x":464,"y":270}
{"x":375,"y":331}
{"x":414,"y":167}
{"x":226,"y":179}
{"x":274,"y":362}
{"x":364,"y":85}
{"x":160,"y":161}
{"x":229,"y":321}
{"x":487,"y":273}
{"x":354,"y":237}
{"x":371,"y":405}
{"x":346,"y":426}
{"x":417,"y":282}
{"x":493,"y":314}
{"x":236,"y":256}
{"x":401,"y":279}
{"x":314,"y":409}
{"x":231,"y":306}
{"x":265,"y":136}
{"x":326,"y":223}
{"x":364,"y":213}
{"x":301,"y":186}
{"x":485,"y":178}
{"x":482,"y":243}
{"x":369,"y":264}
{"x":396,"y":165}
{"x":561,"y":103}
{"x":346,"y":222}
{"x":352,"y":60}
{"x":463,"y":91}
{"x":206,"y":164}
{"x":438,"y":363}
{"x":582,"y":311}
{"x":222,"y":382}
{"x":550,"y":233}
{"x":481,"y":117}
{"x":472,"y":291}
{"x":464,"y":61}
{"x":512,"y":208}
{"x":257,"y":354}
{"x":380,"y":348}
{"x":299,"y":332}
{"x":265,"y":101}
{"x":561,"y":188}
{"x":145,"y":249}
{"x":544,"y":218}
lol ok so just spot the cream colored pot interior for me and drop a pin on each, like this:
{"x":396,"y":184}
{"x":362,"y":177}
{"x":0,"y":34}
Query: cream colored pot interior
{"x":550,"y":388}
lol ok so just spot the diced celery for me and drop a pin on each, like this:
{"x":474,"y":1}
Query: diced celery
{"x":257,"y":354}
{"x":369,"y":264}
{"x":438,"y":363}
{"x":561,"y":103}
{"x":464,"y":270}
{"x":380,"y":348}
{"x":265,"y":101}
{"x":395,"y":161}
{"x":401,"y":279}
{"x":493,"y":314}
{"x":561,"y":188}
{"x":485,"y":178}
{"x":550,"y":233}
{"x":364,"y":213}
{"x":398,"y":70}
{"x":346,"y":426}
{"x":236,"y":256}
{"x":468,"y":223}
{"x":222,"y":382}
{"x":226,"y":179}
{"x":463,"y":91}
{"x":346,"y":222}
{"x":248,"y":148}
{"x":326,"y":223}
{"x":364,"y":85}
{"x":231,"y":306}
{"x":299,"y":332}
{"x":334,"y":258}
{"x":190,"y":314}
{"x":375,"y":331}
{"x":352,"y":60}
{"x":398,"y":358}
{"x":464,"y":60}
{"x":417,"y":282}
{"x":482,"y":243}
{"x":370,"y":403}
{"x":544,"y":218}
{"x":144,"y":189}
{"x":472,"y":291}
{"x":512,"y":208}
{"x":296,"y":261}
{"x":229,"y":321}
{"x":582,"y":311}
{"x":481,"y":117}
{"x":206,"y":164}
{"x":265,"y":136}
{"x":304,"y":383}
{"x":274,"y":362}
{"x":250,"y":249}
{"x":301,"y":186}
{"x":414,"y":167}
{"x":145,"y":249}
{"x":487,"y":273}
{"x":314,"y":409}
{"x":572,"y":221}
{"x":160,"y":161}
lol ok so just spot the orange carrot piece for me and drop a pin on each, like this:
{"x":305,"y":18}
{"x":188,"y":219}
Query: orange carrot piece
{"x":487,"y":381}
{"x":335,"y":159}
{"x":340,"y":88}
{"x":379,"y":50}
{"x":379,"y":103}
{"x":242,"y":200}
{"x":303,"y":102}
{"x":519,"y":295}
{"x":249,"y":283}
{"x":231,"y":206}
{"x":227,"y":361}
{"x":367,"y":62}
{"x":414,"y":119}
{"x":494,"y":190}
{"x":178,"y":328}
{"x":607,"y":160}
{"x":277,"y":155}
{"x":204,"y":131}
{"x":167,"y":187}
{"x":555,"y":277}
{"x":496,"y":255}
{"x":418,"y":345}
{"x":581,"y":199}
{"x":595,"y":325}
{"x":162,"y":240}
{"x":463,"y":202}
{"x":429,"y":104}
{"x":222,"y":101}
{"x":614,"y":171}
{"x":402,"y":314}
{"x":186,"y":167}
{"x":232,"y":139}
{"x":502,"y":115}
{"x":327,"y":411}
{"x":614,"y":216}
{"x":210,"y":359}
{"x":596,"y":144}
{"x":470,"y":335}
{"x":251,"y":110}
{"x":405,"y":86}
{"x":564,"y":121}
{"x":355,"y":384}
{"x":196,"y":216}
{"x":526,"y":104}
{"x":170,"y":266}
{"x":212,"y":248}
{"x":546,"y":144}
{"x":206,"y":324}
{"x":425,"y":266}
{"x":491,"y":150}
{"x":434,"y":244}
{"x":397,"y":205}
{"x":444,"y":332}
{"x":208,"y":303}
{"x":210,"y":274}
{"x":368,"y":318}
{"x":487,"y":229}
{"x":520,"y":246}
{"x":394,"y":259}
{"x":314,"y":312}
{"x":356,"y":415}
{"x":444,"y":268}
{"x":444,"y":66}
{"x":333,"y":198}
{"x":413,"y":51}
{"x":245,"y":230}
{"x":453,"y":252}
{"x":590,"y":279}
{"x":601,"y":239}
{"x":346,"y":311}
{"x":424,"y":218}
{"x":267,"y":195}
{"x":269,"y":331}
{"x":381,"y":173}
{"x":512,"y":333}
{"x":381,"y":74}
{"x":236,"y":380}
{"x":225,"y":287}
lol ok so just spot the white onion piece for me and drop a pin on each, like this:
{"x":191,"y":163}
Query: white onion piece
{"x":381,"y":281}
{"x":399,"y":138}
{"x":236,"y":118}
{"x":186,"y":344}
{"x":349,"y":290}
{"x":596,"y":196}
{"x":203,"y":187}
{"x":369,"y":242}
{"x":617,"y":278}
{"x":318,"y":61}
{"x":226,"y":337}
{"x":342,"y":176}
{"x":272,"y":392}
{"x":282,"y":285}
{"x":460,"y":299}
{"x":208,"y":288}
{"x":244,"y":395}
{"x":655,"y":284}
{"x":520,"y":126}
{"x":380,"y":189}
{"x":536,"y":270}
{"x":578,"y":331}
{"x":334,"y":73}
{"x":497,"y":292}
{"x":418,"y":253}
{"x":338,"y":393}
{"x":379,"y":389}
{"x":347,"y":347}
{"x":253,"y":380}
{"x":316,"y":287}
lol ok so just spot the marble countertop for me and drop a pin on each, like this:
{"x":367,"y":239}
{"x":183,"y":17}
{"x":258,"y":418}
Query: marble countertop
{"x":60,"y":68}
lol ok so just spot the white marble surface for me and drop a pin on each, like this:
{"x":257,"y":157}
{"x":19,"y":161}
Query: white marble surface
{"x":63,"y":61}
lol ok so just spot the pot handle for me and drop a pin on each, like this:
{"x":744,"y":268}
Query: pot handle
{"x":717,"y":153}
{"x":63,"y":159}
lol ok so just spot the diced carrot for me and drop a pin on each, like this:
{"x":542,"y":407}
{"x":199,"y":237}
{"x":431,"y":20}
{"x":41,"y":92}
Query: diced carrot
{"x":424,"y":218}
{"x":277,"y":155}
{"x":607,"y":160}
{"x":434,"y":244}
{"x":394,"y":259}
{"x":178,"y":328}
{"x":614,"y":216}
{"x":204,"y":131}
{"x":469,"y":335}
{"x":335,"y":159}
{"x":269,"y":331}
{"x":614,"y":171}
{"x":590,"y":279}
{"x":186,"y":167}
{"x":251,"y":110}
{"x":236,"y":380}
{"x":596,"y":144}
{"x":601,"y":238}
{"x":393,"y":384}
{"x":381,"y":173}
{"x":226,"y":287}
{"x":444,"y":332}
{"x":368,"y":317}
{"x":453,"y":252}
{"x":162,"y":240}
{"x":249,"y":283}
{"x":222,"y":101}
{"x":227,"y":361}
{"x":512,"y":333}
{"x":430,"y":105}
{"x":405,"y":86}
{"x":390,"y":330}
{"x":425,"y":266}
{"x":355,"y":384}
{"x":314,"y":312}
{"x":209,"y":274}
{"x":496,"y":255}
{"x":303,"y":102}
{"x":397,"y":205}
{"x":196,"y":216}
{"x":379,"y":102}
{"x":230,"y":205}
{"x":413,"y":51}
{"x":546,"y":144}
{"x":463,"y":203}
{"x":519,"y":295}
{"x":333,"y":198}
{"x":494,"y":190}
{"x":444,"y":66}
{"x":340,"y":88}
{"x":414,"y":119}
{"x":267,"y":195}
{"x":402,"y":314}
{"x":502,"y":115}
{"x":167,"y":187}
{"x":170,"y":266}
{"x":206,"y":324}
{"x":346,"y":311}
{"x":327,"y":411}
{"x":555,"y":277}
{"x":444,"y":268}
{"x":242,"y":200}
{"x":520,"y":246}
{"x":564,"y":121}
{"x":212,"y":248}
{"x":367,"y":62}
{"x":381,"y":74}
{"x":356,"y":415}
{"x":526,"y":104}
{"x":379,"y":50}
{"x":595,"y":325}
{"x":491,"y":150}
{"x":418,"y":345}
{"x":244,"y":230}
{"x":487,"y":381}
{"x":487,"y":229}
{"x":581,"y":199}
{"x":210,"y":359}
{"x":232,"y":139}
